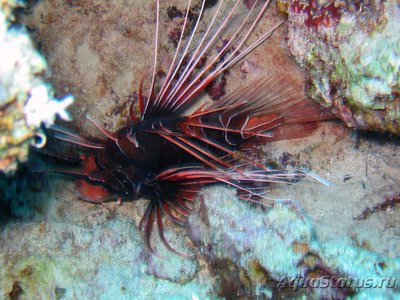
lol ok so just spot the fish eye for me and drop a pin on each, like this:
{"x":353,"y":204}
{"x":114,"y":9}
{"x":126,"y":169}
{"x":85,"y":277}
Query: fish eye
{"x":39,"y":140}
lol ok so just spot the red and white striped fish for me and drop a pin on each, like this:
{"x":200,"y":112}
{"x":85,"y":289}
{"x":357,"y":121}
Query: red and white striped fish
{"x":167,"y":156}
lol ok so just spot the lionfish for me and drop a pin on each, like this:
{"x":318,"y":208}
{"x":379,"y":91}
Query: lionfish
{"x":166,"y":155}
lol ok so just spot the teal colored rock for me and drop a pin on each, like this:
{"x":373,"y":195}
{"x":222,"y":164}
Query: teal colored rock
{"x":83,"y":252}
{"x":276,"y":248}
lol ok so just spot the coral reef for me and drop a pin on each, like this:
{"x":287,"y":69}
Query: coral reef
{"x":63,"y":248}
{"x":86,"y":251}
{"x":56,"y":247}
{"x":351,"y":53}
{"x":272,"y":247}
{"x":26,"y":101}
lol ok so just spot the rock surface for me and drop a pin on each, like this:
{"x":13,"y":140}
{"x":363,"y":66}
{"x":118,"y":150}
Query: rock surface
{"x":351,"y":54}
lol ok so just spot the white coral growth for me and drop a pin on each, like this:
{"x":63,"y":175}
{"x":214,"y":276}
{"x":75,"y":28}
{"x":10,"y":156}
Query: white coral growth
{"x":40,"y":108}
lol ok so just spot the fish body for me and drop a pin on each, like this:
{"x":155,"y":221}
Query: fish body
{"x":166,"y":156}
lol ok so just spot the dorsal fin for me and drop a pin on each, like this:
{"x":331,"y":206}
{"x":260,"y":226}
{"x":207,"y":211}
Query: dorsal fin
{"x":184,"y":81}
